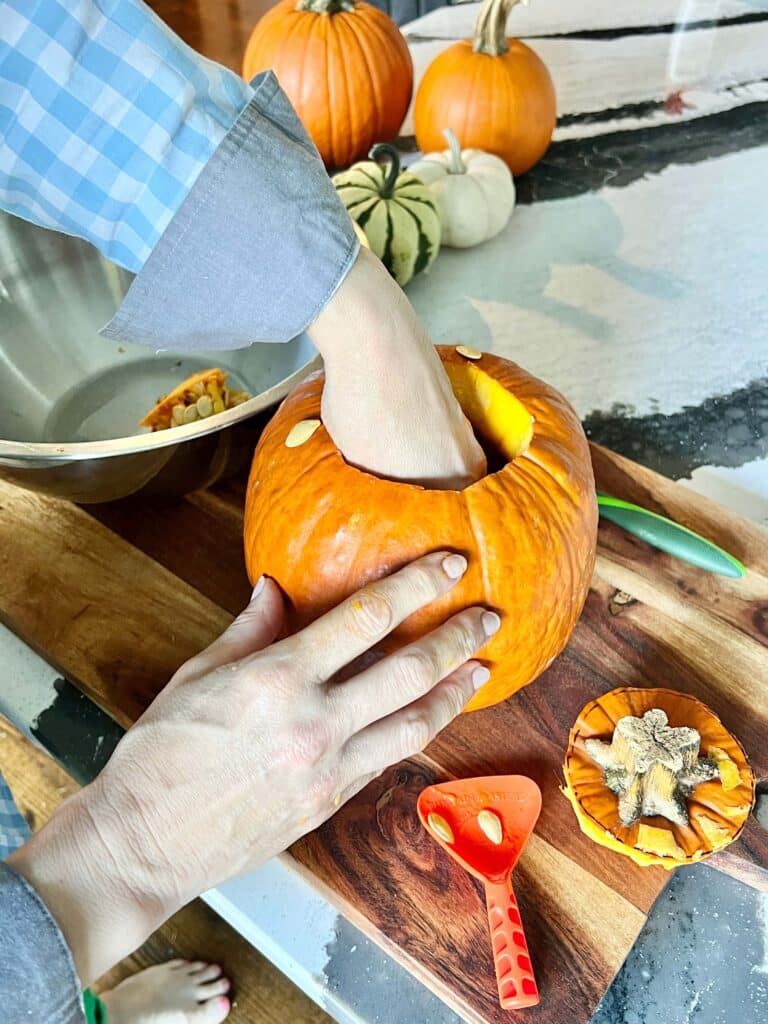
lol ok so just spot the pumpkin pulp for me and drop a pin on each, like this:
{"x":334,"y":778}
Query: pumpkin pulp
{"x":501,"y":422}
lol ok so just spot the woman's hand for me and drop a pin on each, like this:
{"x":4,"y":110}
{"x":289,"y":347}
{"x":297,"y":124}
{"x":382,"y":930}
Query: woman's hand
{"x":249,"y":747}
{"x":387,"y":401}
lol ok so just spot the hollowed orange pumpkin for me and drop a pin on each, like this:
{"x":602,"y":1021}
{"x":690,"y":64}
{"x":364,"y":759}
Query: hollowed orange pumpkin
{"x":322,"y":529}
{"x":710,"y":813}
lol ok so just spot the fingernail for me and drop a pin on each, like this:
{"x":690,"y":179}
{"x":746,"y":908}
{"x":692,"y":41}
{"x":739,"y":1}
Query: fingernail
{"x":454,"y":566}
{"x":260,"y":582}
{"x":223,"y":1002}
{"x":491,"y":623}
{"x":480,"y":676}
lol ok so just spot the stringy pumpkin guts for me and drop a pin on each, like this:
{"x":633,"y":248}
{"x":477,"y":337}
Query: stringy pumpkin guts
{"x":651,"y":766}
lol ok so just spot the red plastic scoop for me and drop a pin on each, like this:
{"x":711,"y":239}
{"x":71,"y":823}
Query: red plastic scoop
{"x":484,"y":825}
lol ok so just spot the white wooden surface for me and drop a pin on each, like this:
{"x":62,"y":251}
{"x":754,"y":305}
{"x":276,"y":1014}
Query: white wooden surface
{"x":603,"y":74}
{"x":553,"y":17}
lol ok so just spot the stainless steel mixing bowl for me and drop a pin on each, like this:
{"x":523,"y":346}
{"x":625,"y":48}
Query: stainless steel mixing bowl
{"x":70,"y":401}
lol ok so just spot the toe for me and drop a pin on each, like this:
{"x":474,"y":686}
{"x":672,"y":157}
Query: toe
{"x":209,"y":973}
{"x":212,"y":989}
{"x":212,"y":1012}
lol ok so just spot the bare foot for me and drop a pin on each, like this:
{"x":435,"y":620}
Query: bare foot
{"x":178,"y":992}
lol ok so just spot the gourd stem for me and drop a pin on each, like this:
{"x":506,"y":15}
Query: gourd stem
{"x":456,"y":166}
{"x":383,"y":149}
{"x":325,"y":6}
{"x":491,"y":27}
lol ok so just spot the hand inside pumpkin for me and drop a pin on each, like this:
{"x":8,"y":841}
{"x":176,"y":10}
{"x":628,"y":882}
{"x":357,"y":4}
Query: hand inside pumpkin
{"x":387,"y":401}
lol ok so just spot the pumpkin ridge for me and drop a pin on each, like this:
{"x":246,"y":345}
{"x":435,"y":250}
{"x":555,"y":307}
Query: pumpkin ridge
{"x":349,"y":90}
{"x":424,"y":251}
{"x":372,"y":84}
{"x":378,"y":22}
{"x":360,"y":170}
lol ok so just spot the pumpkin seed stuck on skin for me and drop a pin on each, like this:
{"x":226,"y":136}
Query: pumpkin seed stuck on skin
{"x":490,"y":826}
{"x":440,"y":827}
{"x":469,"y":353}
{"x":301,"y":433}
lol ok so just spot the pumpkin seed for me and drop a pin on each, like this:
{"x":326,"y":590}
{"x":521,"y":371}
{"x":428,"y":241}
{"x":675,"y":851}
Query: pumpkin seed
{"x":469,"y":353}
{"x":177,"y":414}
{"x":204,"y":406}
{"x":301,"y":432}
{"x":440,"y":827}
{"x":190,"y":414}
{"x":490,"y":825}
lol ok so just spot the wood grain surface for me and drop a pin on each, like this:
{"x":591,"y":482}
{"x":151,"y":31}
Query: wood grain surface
{"x":118,"y":596}
{"x":260,"y":993}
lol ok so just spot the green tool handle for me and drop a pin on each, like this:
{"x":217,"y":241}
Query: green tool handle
{"x":669,"y":536}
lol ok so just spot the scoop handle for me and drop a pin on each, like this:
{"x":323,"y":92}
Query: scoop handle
{"x":514,"y":974}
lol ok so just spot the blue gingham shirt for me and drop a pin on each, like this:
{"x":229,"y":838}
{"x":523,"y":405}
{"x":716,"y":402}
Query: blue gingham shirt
{"x":112,"y":129}
{"x":107,"y":119}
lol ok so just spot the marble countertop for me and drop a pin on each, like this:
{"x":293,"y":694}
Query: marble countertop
{"x":631,"y":276}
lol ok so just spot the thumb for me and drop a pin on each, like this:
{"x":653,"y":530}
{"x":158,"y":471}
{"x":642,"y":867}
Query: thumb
{"x":256,"y":627}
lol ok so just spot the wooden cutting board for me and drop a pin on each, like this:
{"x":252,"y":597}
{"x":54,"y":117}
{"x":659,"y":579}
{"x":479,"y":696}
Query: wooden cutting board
{"x":118,"y":596}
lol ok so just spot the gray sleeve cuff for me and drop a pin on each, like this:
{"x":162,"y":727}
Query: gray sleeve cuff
{"x":256,"y":249}
{"x":38,"y":980}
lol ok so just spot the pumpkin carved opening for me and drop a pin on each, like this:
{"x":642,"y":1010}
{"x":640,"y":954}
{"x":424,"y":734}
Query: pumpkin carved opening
{"x":502,"y":424}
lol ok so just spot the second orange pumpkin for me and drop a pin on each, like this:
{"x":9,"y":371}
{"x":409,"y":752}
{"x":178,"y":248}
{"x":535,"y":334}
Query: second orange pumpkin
{"x":494,"y":93}
{"x":345,"y":67}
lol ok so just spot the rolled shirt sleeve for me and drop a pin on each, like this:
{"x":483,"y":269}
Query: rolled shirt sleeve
{"x":38,"y":980}
{"x":208,"y":188}
{"x":256,"y":249}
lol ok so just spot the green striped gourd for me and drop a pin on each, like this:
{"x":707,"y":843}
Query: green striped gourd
{"x":395,"y":210}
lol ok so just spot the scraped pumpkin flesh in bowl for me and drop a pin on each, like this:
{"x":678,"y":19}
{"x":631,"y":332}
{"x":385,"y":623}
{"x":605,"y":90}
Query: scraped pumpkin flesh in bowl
{"x":201,"y":395}
{"x":528,"y":528}
{"x":654,"y":774}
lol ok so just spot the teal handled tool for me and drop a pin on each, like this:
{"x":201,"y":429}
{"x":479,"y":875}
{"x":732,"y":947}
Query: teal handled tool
{"x":669,"y":536}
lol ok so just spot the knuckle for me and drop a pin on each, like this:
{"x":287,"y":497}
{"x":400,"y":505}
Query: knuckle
{"x":455,"y":696}
{"x":368,"y":615}
{"x":309,"y":742}
{"x":415,"y":731}
{"x":424,"y":582}
{"x":417,"y":671}
{"x":470,"y":635}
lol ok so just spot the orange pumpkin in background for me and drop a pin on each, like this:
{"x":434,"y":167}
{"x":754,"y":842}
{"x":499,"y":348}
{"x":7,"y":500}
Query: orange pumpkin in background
{"x":494,"y":93}
{"x":322,"y":528}
{"x":345,"y":67}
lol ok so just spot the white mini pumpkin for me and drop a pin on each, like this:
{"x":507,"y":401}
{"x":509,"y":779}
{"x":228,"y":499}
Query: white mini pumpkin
{"x":474,"y":192}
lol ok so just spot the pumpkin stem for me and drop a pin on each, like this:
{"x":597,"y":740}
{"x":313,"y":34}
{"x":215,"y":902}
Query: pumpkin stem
{"x":383,"y":149}
{"x":651,"y":766}
{"x":325,"y":6}
{"x":456,"y":165}
{"x":491,"y":27}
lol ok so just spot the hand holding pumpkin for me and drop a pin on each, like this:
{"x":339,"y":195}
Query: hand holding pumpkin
{"x":249,"y":747}
{"x":387,"y":401}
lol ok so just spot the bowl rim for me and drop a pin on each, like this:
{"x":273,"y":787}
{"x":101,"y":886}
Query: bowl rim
{"x":52,"y":451}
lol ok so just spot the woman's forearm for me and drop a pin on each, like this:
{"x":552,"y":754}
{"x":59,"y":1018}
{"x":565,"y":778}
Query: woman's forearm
{"x":102,"y":900}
